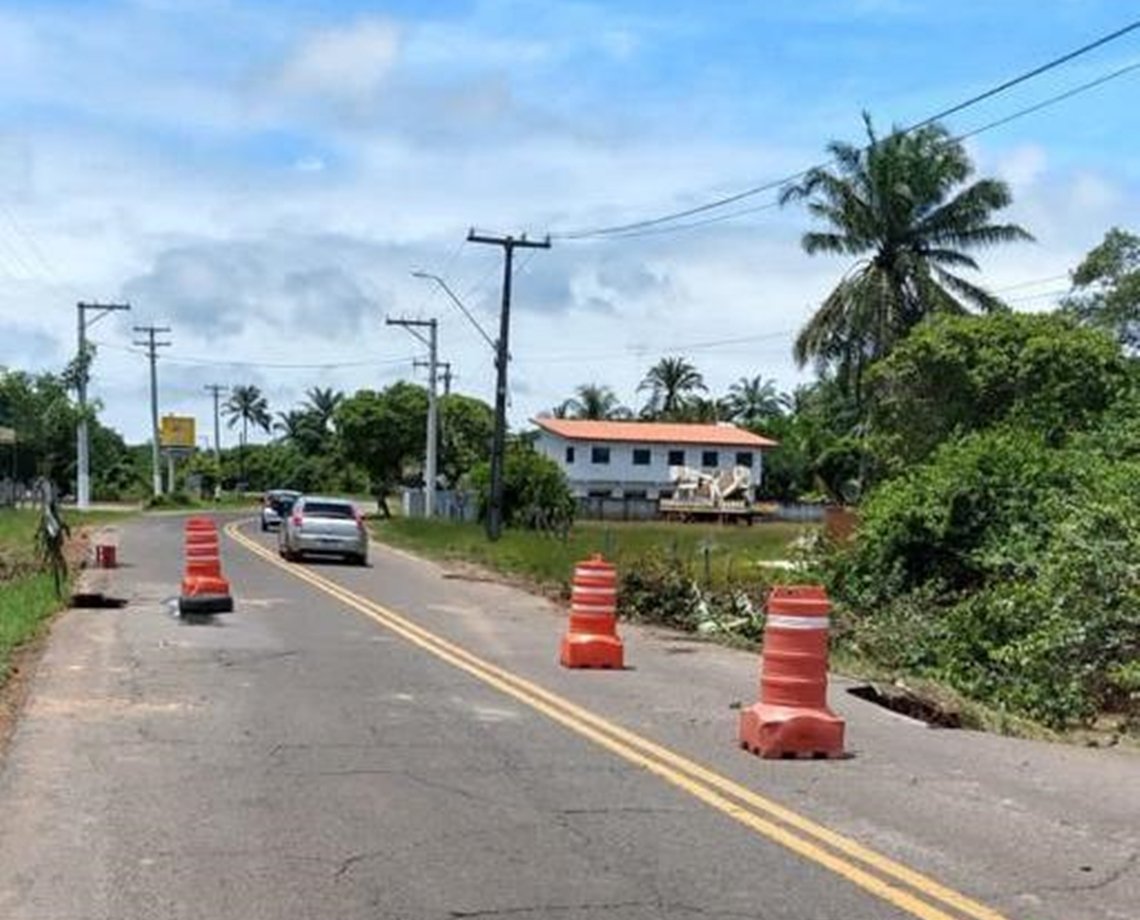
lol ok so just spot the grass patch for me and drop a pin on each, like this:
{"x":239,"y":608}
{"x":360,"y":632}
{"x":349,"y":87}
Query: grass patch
{"x":733,"y":553}
{"x":27,"y":593}
{"x":26,"y":603}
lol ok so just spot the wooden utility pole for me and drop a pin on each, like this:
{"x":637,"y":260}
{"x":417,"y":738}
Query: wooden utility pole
{"x":152,"y":345}
{"x":498,"y":441}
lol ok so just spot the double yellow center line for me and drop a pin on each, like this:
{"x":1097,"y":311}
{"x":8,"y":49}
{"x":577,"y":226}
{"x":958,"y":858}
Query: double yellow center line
{"x":879,"y":875}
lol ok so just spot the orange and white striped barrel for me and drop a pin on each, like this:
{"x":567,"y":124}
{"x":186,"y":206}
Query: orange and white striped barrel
{"x":593,"y":598}
{"x":792,"y":718}
{"x":591,"y":639}
{"x":200,"y":524}
{"x":795,"y":647}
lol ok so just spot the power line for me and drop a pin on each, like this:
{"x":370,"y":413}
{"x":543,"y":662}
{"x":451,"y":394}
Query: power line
{"x":773,"y":185}
{"x":215,"y":362}
{"x":1029,"y":75}
{"x":1020,"y":113}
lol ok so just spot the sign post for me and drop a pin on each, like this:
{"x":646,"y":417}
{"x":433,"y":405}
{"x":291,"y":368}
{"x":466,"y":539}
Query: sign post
{"x":177,"y":438}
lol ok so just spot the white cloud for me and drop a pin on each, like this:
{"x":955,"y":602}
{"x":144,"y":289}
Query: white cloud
{"x":349,"y":64}
{"x":1023,"y":166}
{"x":310,"y":165}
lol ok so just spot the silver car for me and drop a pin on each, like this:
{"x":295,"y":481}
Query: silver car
{"x":331,"y":526}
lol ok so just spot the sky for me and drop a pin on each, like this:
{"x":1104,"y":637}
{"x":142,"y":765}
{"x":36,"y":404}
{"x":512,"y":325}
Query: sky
{"x":264,"y":177}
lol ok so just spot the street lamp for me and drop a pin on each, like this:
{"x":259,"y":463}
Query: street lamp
{"x":459,"y":303}
{"x":83,"y":362}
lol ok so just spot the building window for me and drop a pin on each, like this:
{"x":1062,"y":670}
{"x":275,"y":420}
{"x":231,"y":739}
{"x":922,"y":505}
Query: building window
{"x":676,"y":458}
{"x":600,"y":455}
{"x":641,"y":456}
{"x":709,"y":458}
{"x":569,"y":454}
{"x":744,"y":458}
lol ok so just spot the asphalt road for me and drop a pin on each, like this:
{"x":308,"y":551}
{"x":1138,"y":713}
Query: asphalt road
{"x":399,"y":742}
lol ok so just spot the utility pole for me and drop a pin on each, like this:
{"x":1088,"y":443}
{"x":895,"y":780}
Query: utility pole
{"x":499,"y":440}
{"x":83,"y":453}
{"x":217,"y":389}
{"x":446,"y":365}
{"x":152,"y":345}
{"x":431,"y":461}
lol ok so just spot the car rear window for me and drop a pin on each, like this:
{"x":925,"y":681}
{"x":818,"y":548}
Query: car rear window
{"x":282,"y":504}
{"x":329,"y":510}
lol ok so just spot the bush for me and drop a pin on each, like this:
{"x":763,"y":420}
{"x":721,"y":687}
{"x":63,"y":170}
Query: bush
{"x":1008,"y":569}
{"x":536,"y":494}
{"x":660,"y":589}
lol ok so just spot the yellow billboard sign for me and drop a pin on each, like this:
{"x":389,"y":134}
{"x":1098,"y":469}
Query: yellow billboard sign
{"x":177,"y":431}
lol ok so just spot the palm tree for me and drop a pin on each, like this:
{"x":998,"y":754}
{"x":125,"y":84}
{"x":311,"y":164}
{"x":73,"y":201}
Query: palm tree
{"x":753,"y":400}
{"x":292,"y":424}
{"x":595,"y":401}
{"x":321,"y":405}
{"x":901,"y":206}
{"x":247,"y":405}
{"x":672,"y":385}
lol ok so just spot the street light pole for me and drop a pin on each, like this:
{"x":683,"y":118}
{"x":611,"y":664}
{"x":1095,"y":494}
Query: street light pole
{"x":430,"y":460}
{"x":83,"y":364}
{"x":152,"y":345}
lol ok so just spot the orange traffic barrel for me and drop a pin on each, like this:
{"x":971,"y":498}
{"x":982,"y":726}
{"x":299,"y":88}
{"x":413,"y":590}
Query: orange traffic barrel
{"x":792,"y":718}
{"x":201,"y":538}
{"x":591,"y":639}
{"x":204,"y":588}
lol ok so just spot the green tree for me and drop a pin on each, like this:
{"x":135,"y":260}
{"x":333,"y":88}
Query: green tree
{"x":901,"y":207}
{"x":383,"y":432}
{"x":595,"y":401}
{"x":248,"y":406}
{"x":44,"y":417}
{"x":321,"y":406}
{"x":302,"y":428}
{"x":1106,"y":288}
{"x":959,"y":374}
{"x":465,"y":438}
{"x":536,"y":494}
{"x":752,"y":401}
{"x":673,"y":383}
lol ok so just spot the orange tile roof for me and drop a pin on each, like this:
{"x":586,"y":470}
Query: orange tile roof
{"x":722,"y":435}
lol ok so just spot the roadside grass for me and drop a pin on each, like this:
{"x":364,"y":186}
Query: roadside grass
{"x":27,"y":592}
{"x":26,"y":603}
{"x":715,"y":554}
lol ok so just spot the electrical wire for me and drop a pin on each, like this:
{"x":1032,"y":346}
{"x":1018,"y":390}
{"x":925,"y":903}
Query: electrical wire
{"x":773,"y":185}
{"x":1020,"y":113}
{"x":278,"y":365}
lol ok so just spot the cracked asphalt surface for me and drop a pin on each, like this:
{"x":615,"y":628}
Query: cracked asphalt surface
{"x":296,"y":760}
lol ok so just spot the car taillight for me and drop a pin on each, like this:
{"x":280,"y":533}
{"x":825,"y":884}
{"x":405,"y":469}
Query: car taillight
{"x":297,"y":519}
{"x":359,"y":518}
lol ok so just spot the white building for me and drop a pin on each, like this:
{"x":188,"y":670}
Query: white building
{"x":632,"y":459}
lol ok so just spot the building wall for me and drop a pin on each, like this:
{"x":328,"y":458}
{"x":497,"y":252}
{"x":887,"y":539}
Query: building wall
{"x":621,"y":475}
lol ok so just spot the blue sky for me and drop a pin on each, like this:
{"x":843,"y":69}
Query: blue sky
{"x":263,"y":177}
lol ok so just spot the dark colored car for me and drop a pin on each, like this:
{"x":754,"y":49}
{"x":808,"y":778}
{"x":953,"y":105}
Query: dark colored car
{"x":276,"y":507}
